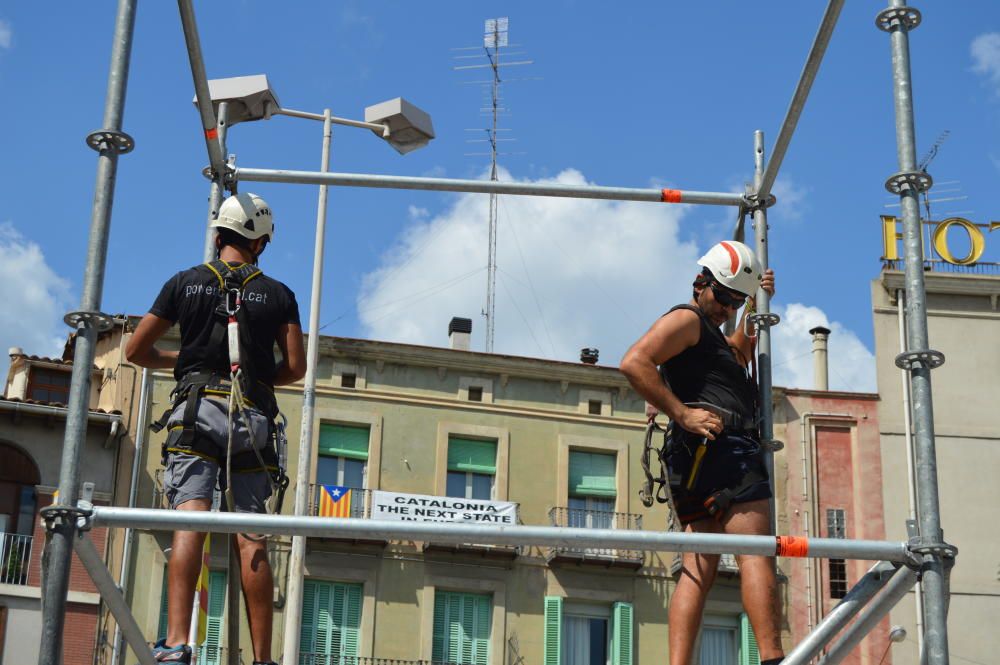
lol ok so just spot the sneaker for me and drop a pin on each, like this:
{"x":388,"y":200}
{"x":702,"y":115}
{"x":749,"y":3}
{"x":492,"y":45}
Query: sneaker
{"x":164,"y":654}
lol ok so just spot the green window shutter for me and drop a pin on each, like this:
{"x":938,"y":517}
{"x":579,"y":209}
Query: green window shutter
{"x":591,"y":474}
{"x":440,"y":626}
{"x":344,"y":441}
{"x":161,"y":627}
{"x":621,"y":635}
{"x":472,"y":455}
{"x":749,"y":654}
{"x":337,"y":593}
{"x":324,"y":622}
{"x":351,"y":627}
{"x":307,"y":631}
{"x":553,"y":631}
{"x":211,"y":654}
{"x":461,"y":628}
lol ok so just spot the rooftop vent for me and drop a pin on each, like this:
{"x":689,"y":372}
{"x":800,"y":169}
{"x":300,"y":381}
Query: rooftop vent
{"x":460,"y":333}
{"x":588,"y":355}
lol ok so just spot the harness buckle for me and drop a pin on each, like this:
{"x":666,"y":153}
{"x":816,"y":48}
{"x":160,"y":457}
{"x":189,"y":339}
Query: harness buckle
{"x":234,"y":299}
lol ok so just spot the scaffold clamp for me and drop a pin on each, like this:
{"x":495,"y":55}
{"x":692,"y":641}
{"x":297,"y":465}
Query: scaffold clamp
{"x":764,"y":319}
{"x":110,"y":139}
{"x":754,"y":203}
{"x":904,"y":181}
{"x":772,"y":445}
{"x":58,"y":514}
{"x":934,"y":546}
{"x":889,"y":18}
{"x":915,"y":359}
{"x":99,"y":320}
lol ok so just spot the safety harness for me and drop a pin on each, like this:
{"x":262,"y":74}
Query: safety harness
{"x":242,"y":390}
{"x":681,"y":464}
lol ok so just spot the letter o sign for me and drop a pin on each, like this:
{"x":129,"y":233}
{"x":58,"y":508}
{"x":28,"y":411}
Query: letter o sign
{"x":977,"y":243}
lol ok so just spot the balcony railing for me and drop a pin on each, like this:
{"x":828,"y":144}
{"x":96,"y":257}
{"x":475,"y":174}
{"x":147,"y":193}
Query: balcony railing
{"x":214,"y":655}
{"x":937,"y":265}
{"x":15,"y":558}
{"x":359,"y":504}
{"x":322,"y":659}
{"x":578,"y":518}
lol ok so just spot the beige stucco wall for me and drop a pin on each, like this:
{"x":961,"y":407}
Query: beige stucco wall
{"x":964,"y":324}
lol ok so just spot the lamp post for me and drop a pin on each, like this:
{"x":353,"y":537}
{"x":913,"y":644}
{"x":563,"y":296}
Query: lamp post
{"x":406,"y":128}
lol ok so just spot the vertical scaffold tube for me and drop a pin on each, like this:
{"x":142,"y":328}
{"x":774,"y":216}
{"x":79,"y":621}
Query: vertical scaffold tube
{"x":764,"y":329}
{"x":216,"y":158}
{"x":217,"y":187}
{"x":928,"y":511}
{"x":293,"y":596}
{"x":59,"y":548}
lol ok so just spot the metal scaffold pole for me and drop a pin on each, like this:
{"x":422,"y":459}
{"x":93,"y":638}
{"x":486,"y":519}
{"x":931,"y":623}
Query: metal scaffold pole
{"x":61,"y":522}
{"x":217,"y":188}
{"x":296,"y":559}
{"x":919,"y":359}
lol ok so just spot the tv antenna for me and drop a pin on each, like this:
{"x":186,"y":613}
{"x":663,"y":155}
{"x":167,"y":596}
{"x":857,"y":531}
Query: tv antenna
{"x":495,"y":41}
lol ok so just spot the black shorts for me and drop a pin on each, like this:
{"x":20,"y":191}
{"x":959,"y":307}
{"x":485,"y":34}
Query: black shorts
{"x":726,"y":463}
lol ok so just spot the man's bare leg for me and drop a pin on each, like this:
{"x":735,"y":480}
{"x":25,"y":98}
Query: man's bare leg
{"x":758,"y":581}
{"x":182,"y":576}
{"x":258,"y":591}
{"x":688,"y":601}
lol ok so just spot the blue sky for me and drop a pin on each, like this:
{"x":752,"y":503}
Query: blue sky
{"x":663,"y":94}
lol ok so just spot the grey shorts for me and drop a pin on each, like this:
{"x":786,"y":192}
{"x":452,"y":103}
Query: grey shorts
{"x":194,"y":476}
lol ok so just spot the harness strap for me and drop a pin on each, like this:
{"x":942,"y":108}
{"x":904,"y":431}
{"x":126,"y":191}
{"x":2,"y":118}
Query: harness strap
{"x":718,"y":503}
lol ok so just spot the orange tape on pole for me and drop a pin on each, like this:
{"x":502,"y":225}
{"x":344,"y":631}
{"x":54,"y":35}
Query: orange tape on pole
{"x":212,"y":133}
{"x":795,"y":546}
{"x":671,"y":196}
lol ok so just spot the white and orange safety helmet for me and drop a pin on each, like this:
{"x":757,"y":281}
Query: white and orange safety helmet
{"x":733,"y":265}
{"x":246,"y":214}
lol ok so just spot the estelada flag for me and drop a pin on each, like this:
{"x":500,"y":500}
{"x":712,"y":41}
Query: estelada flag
{"x":334,"y":501}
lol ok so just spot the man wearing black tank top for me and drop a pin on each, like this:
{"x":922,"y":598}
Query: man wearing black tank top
{"x":682,"y":359}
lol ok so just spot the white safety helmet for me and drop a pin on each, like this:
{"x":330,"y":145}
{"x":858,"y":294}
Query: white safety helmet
{"x":246,"y":214}
{"x":733,"y":265}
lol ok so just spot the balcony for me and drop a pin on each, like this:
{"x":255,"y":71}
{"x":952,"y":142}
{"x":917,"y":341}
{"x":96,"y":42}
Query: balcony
{"x":575,"y":518}
{"x":15,"y":558}
{"x":321,"y":659}
{"x":356,"y":506}
{"x":497,"y":552}
{"x":727,"y":565}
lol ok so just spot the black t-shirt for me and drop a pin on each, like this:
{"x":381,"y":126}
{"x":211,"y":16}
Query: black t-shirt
{"x":190,"y":299}
{"x":709,"y":372}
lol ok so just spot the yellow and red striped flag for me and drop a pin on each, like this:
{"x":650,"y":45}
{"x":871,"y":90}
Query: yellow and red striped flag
{"x":334,"y":501}
{"x":202,"y":593}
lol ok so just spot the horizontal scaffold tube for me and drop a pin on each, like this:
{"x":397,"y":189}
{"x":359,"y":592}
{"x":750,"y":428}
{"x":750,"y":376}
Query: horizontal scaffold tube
{"x":457,"y":533}
{"x":489,"y":187}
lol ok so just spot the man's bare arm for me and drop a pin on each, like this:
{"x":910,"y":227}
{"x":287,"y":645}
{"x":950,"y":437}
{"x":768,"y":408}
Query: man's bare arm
{"x":668,"y":337}
{"x":293,"y":364}
{"x":141,"y":348}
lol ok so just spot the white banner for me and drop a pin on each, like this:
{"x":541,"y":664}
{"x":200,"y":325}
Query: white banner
{"x":422,"y":508}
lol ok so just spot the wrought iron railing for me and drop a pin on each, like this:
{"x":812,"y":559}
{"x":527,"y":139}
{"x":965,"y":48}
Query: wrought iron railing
{"x":211,"y":655}
{"x":579,"y":518}
{"x":15,"y":558}
{"x":358,"y":506}
{"x":323,"y":659}
{"x":938,"y":265}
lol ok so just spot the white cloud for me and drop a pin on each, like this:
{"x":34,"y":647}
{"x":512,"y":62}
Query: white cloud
{"x":572,"y":273}
{"x":6,"y":34}
{"x":791,"y":199}
{"x":34,"y":297}
{"x":852,"y":365}
{"x":985,"y":50}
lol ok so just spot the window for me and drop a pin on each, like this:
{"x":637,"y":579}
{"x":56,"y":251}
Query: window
{"x":577,"y":634}
{"x":836,"y":527}
{"x":209,"y":651}
{"x":475,"y":393}
{"x":461,"y":628}
{"x":591,"y":490}
{"x":472,"y":467}
{"x":331,"y":622}
{"x":594,"y":407}
{"x":348,"y":380}
{"x":727,"y":640}
{"x":49,"y":385}
{"x":342,"y":465}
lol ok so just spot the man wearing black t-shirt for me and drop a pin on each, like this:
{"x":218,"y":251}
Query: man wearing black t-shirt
{"x":717,"y":453}
{"x":196,"y":450}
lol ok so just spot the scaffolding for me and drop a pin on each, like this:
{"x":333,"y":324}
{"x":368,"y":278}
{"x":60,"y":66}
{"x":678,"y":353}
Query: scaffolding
{"x":925,"y":556}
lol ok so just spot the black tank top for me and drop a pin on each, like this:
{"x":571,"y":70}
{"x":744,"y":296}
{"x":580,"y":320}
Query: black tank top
{"x":709,"y":372}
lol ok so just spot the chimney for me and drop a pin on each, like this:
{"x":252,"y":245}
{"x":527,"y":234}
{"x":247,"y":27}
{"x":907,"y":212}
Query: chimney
{"x":821,"y":379}
{"x":460,"y":333}
{"x":588,"y":355}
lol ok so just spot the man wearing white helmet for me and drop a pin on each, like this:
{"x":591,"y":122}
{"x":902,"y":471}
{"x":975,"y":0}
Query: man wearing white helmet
{"x":680,"y":366}
{"x":196,"y":452}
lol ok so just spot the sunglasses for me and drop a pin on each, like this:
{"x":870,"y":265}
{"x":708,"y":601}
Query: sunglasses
{"x":727,"y":298}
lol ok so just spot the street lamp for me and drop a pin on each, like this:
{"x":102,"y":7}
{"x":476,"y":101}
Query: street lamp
{"x":403,"y":126}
